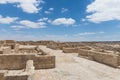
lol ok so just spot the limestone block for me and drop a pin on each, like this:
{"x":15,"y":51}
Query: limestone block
{"x":109,"y":59}
{"x":2,"y":76}
{"x":5,"y":50}
{"x":30,"y":69}
{"x":18,"y":62}
{"x":44,"y":62}
{"x":23,"y":77}
{"x":70,"y":50}
{"x":105,"y":58}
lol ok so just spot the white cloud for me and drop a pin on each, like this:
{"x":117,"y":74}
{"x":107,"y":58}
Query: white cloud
{"x":64,"y":10}
{"x":7,"y":20}
{"x":103,"y":10}
{"x":17,"y":27}
{"x":43,"y":19}
{"x":89,"y":33}
{"x":29,"y":24}
{"x":29,"y":6}
{"x":83,"y":20}
{"x":63,"y":21}
{"x":49,"y":11}
{"x":49,"y":21}
{"x":86,"y":33}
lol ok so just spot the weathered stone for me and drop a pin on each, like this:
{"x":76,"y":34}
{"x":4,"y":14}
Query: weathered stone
{"x":105,"y":58}
{"x":17,"y":62}
{"x":5,"y":50}
{"x":2,"y":76}
{"x":70,"y":50}
{"x":30,"y":69}
{"x":23,"y":77}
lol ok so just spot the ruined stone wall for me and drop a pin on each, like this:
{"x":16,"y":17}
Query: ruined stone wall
{"x":42,"y":42}
{"x":70,"y":50}
{"x":1,"y":52}
{"x":86,"y":53}
{"x":2,"y":76}
{"x":20,"y":77}
{"x":24,"y":77}
{"x":16,"y":49}
{"x":13,"y":62}
{"x":17,"y":62}
{"x":12,"y":46}
{"x":109,"y":59}
{"x":44,"y":62}
{"x":5,"y":50}
{"x":10,"y":43}
{"x":55,"y":47}
{"x":105,"y":58}
{"x":1,"y":43}
{"x":24,"y":50}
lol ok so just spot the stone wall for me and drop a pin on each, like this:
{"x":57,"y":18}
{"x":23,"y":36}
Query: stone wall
{"x":55,"y":47}
{"x":119,"y":61}
{"x":86,"y":53}
{"x":2,"y":76}
{"x":44,"y":62}
{"x":20,"y":77}
{"x":23,"y":77}
{"x":105,"y":58}
{"x":5,"y":50}
{"x":26,"y":50}
{"x":109,"y":59}
{"x":10,"y":43}
{"x":13,"y":62}
{"x":70,"y":50}
{"x":17,"y":62}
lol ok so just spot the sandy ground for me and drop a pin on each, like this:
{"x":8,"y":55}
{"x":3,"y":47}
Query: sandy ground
{"x":71,"y":67}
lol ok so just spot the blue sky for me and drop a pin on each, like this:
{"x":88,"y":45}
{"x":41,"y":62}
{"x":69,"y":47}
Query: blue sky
{"x":60,"y":20}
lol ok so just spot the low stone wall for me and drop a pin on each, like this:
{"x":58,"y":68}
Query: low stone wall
{"x":44,"y":62}
{"x":14,"y":62}
{"x":5,"y":50}
{"x":86,"y":53}
{"x":2,"y":76}
{"x":70,"y":50}
{"x":105,"y":58}
{"x":55,"y":47}
{"x":119,"y":61}
{"x":27,"y":51}
{"x":17,"y":62}
{"x":24,"y":77}
{"x":1,"y":52}
{"x":19,"y":77}
{"x":109,"y":59}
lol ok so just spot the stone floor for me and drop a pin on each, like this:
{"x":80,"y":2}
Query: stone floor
{"x":71,"y":67}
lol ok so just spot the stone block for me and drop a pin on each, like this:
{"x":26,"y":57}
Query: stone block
{"x":23,"y":77}
{"x":18,"y":62}
{"x":2,"y":76}
{"x":70,"y":50}
{"x":109,"y":59}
